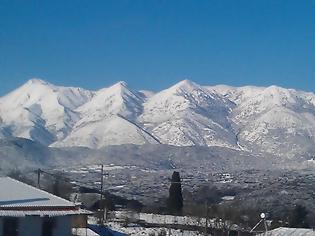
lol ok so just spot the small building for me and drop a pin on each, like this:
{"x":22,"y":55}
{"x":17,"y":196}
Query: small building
{"x":29,"y":211}
{"x":283,"y":231}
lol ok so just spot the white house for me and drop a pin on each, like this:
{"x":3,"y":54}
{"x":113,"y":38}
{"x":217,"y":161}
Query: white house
{"x":28,"y":211}
{"x":282,"y":231}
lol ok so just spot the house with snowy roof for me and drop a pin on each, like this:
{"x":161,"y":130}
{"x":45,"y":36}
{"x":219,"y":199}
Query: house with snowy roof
{"x":283,"y":231}
{"x":29,"y":211}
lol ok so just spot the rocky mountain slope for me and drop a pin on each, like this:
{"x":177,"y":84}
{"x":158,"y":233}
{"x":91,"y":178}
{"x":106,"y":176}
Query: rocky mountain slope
{"x":41,"y":111}
{"x":273,"y":119}
{"x":253,"y":119}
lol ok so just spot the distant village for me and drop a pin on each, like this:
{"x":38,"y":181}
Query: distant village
{"x":89,"y":201}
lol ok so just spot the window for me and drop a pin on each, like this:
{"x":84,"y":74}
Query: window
{"x":10,"y":226}
{"x":48,"y":226}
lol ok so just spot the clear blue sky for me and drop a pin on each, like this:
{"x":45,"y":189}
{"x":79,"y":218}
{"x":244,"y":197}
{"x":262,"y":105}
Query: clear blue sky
{"x":152,"y":44}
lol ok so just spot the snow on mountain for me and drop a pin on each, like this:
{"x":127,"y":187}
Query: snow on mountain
{"x":113,"y":130}
{"x":41,"y":111}
{"x":273,"y":119}
{"x":146,"y":93}
{"x":109,"y":119}
{"x":235,"y":94}
{"x":258,"y":119}
{"x":117,"y":99}
{"x":187,"y":114}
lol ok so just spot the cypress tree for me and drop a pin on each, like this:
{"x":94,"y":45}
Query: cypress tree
{"x":175,"y":199}
{"x":298,"y":217}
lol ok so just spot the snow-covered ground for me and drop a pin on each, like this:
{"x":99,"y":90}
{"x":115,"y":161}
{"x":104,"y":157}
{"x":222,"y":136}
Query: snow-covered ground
{"x":289,"y":232}
{"x":166,"y":219}
{"x":169,"y":224}
{"x":83,"y":232}
{"x":136,"y":230}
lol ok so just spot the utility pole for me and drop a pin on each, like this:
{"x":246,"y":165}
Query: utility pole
{"x":206,"y":214}
{"x":169,"y":231}
{"x":38,"y":178}
{"x":101,"y":197}
{"x":102,"y":181}
{"x":266,"y":227}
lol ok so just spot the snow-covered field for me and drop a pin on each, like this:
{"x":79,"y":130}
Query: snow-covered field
{"x":169,"y":224}
{"x":136,"y":230}
{"x":166,"y":219}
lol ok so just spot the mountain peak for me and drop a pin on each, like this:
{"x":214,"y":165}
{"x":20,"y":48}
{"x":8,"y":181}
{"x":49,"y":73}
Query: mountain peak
{"x":185,"y":85}
{"x":122,"y":83}
{"x":114,"y":98}
{"x":119,"y":85}
{"x":35,"y":87}
{"x":186,"y":82}
{"x":37,"y":81}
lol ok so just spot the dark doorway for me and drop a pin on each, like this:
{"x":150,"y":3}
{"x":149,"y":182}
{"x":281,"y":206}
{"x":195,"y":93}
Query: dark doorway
{"x":10,"y":226}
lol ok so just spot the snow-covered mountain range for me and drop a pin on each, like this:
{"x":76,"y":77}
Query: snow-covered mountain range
{"x":255,"y":119}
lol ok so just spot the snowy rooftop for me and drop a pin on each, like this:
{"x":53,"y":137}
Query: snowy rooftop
{"x":290,"y":231}
{"x":42,"y":213}
{"x":19,"y":195}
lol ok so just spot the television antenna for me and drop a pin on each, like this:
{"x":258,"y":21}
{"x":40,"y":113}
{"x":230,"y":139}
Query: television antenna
{"x":263,"y":217}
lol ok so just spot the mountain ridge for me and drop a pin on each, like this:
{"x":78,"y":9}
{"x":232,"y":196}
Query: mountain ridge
{"x":258,"y":119}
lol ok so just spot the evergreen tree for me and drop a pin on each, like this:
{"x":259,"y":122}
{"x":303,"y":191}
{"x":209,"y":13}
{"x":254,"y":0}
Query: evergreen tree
{"x":56,"y":188}
{"x":298,"y":217}
{"x":175,"y":199}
